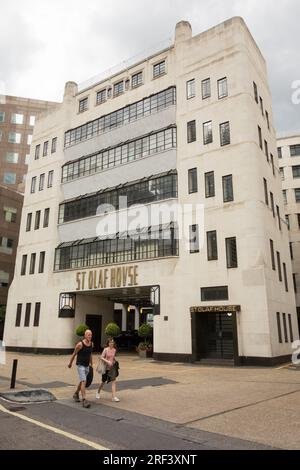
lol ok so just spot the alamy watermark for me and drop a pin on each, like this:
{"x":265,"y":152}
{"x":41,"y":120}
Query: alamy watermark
{"x":296,"y":93}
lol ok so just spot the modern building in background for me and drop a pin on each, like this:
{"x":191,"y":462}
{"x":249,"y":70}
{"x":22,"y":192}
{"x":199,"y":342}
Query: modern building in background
{"x":289,"y":167}
{"x":17,"y":119}
{"x":190,"y":127}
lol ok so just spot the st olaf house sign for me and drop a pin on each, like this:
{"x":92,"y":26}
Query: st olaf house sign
{"x":123,"y":276}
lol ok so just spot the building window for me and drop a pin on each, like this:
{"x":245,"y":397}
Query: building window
{"x":231,"y":252}
{"x":214,"y":293}
{"x":297,"y":194}
{"x":272,"y":163}
{"x":37,"y":220}
{"x":267,"y":150}
{"x":12,"y":157}
{"x":212,"y":246}
{"x":285,"y":277}
{"x":190,"y":89}
{"x":206,"y":88}
{"x":37,"y":311}
{"x":291,"y":250}
{"x":272,"y":203}
{"x":101,"y":96}
{"x":272,"y":255}
{"x":266,"y":192}
{"x":37,"y":152}
{"x":14,"y":138}
{"x":227,"y":188}
{"x":278,"y":216}
{"x":291,"y":328}
{"x":45,"y":149}
{"x":54,"y":145}
{"x":191,"y":131}
{"x":295,"y":283}
{"x":32,"y":263}
{"x":33,"y":184}
{"x":17,"y":118}
{"x":46,"y":218}
{"x":255,"y":92}
{"x":42,"y":182}
{"x":4,"y":279}
{"x":193,"y":184}
{"x":9,"y":178}
{"x":295,"y":150}
{"x":50,"y":179}
{"x":207,"y":133}
{"x":32,"y":120}
{"x":6,"y":245}
{"x":23,"y":266}
{"x":118,"y":88}
{"x":194,"y":239}
{"x":261,"y":105}
{"x":137,"y":79}
{"x":10,"y":214}
{"x":42,"y":261}
{"x":298,"y":218}
{"x":27,"y":315}
{"x":83,"y":105}
{"x":279,"y":266}
{"x":2,"y":116}
{"x":296,"y":171}
{"x":29,"y":139}
{"x":287,"y":221}
{"x":260,"y":137}
{"x":222,"y":88}
{"x":224,"y":133}
{"x":28,"y":222}
{"x":159,"y":69}
{"x":19,"y":315}
{"x":279,"y":152}
{"x":209,"y":184}
{"x":279,"y":327}
{"x":281,"y":171}
{"x":268,"y":120}
{"x":285,"y":328}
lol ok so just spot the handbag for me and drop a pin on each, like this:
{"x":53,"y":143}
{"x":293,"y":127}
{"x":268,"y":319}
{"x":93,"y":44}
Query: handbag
{"x":101,"y":367}
{"x":89,"y":378}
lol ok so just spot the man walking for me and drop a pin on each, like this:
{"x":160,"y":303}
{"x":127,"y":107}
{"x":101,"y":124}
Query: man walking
{"x":83,"y":351}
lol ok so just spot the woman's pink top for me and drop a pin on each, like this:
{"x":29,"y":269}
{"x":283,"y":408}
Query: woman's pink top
{"x":109,"y":354}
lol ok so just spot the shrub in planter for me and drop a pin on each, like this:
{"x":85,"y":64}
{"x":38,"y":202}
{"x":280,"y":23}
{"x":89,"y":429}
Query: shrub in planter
{"x":145,"y":347}
{"x":81,"y":329}
{"x":112,"y":330}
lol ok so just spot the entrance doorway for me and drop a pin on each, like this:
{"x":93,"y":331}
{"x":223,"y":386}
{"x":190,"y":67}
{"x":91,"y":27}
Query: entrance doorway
{"x":214,"y":336}
{"x":94,"y":322}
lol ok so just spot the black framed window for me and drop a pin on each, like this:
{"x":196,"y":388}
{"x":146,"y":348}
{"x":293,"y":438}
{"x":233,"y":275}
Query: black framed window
{"x":268,"y":120}
{"x":296,"y":171}
{"x":261,"y":105}
{"x":50,"y":179}
{"x":209,"y":184}
{"x":267,"y":150}
{"x":227,"y":188}
{"x":279,"y":331}
{"x":272,"y":203}
{"x":285,"y":277}
{"x":206,"y":88}
{"x":137,"y":79}
{"x":231,"y":252}
{"x":297,"y":194}
{"x":33,"y":184}
{"x":45,"y":148}
{"x":295,"y":283}
{"x":18,"y":315}
{"x":279,"y":266}
{"x":32,"y":263}
{"x":27,"y":315}
{"x":207,"y":133}
{"x":279,"y":152}
{"x":42,"y":261}
{"x":291,"y":328}
{"x":192,"y":180}
{"x":159,"y":69}
{"x":118,"y":88}
{"x":37,"y":220}
{"x":191,"y":131}
{"x":101,"y":96}
{"x":286,"y":339}
{"x":260,"y":139}
{"x":190,"y":88}
{"x":255,"y":92}
{"x":83,"y":105}
{"x":272,"y":163}
{"x":212,"y":245}
{"x":214,"y":293}
{"x":266,"y":191}
{"x":37,"y":152}
{"x":28,"y":222}
{"x":194,"y":238}
{"x":222,"y":88}
{"x":54,"y":145}
{"x":291,"y":250}
{"x":278,"y":217}
{"x":295,"y":150}
{"x":23,"y":265}
{"x":42,"y":182}
{"x":224,"y":134}
{"x":46,"y":218}
{"x":37,"y":311}
{"x":272,"y":255}
{"x":287,"y":221}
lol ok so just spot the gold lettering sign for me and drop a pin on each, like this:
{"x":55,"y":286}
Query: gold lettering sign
{"x":220,"y":309}
{"x":122,"y":276}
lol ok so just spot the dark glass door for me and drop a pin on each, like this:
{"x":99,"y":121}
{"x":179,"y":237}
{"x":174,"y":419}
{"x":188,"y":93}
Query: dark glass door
{"x":94,"y":322}
{"x":214,"y":336}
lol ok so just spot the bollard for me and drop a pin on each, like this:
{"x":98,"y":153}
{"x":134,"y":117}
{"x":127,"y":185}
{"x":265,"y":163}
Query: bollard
{"x":14,"y":373}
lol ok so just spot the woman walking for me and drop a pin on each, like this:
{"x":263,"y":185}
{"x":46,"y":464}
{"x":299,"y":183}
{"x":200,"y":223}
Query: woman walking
{"x":108,"y":356}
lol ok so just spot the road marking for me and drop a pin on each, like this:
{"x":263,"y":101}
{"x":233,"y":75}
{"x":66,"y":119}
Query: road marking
{"x":92,"y":444}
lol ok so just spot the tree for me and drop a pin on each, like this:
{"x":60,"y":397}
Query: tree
{"x":112,"y":330}
{"x":81,"y":329}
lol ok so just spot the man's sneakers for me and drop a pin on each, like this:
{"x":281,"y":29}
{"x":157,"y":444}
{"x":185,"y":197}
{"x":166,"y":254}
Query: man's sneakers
{"x":86,"y":404}
{"x":97,"y":395}
{"x":115,"y":399}
{"x":76,"y":397}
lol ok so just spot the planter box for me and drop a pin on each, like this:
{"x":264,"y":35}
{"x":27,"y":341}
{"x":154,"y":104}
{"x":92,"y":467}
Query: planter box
{"x":144,"y":353}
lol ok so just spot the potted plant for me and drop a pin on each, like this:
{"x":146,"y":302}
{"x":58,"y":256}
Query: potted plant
{"x":112,"y":330}
{"x":81,"y":329}
{"x":145,"y":347}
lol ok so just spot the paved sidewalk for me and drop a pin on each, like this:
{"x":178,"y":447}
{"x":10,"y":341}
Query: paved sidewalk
{"x":256,"y":404}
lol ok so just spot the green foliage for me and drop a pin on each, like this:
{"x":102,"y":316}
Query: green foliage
{"x":81,"y":329}
{"x":145,"y":346}
{"x":112,"y":330}
{"x":2,"y":312}
{"x":145,"y":330}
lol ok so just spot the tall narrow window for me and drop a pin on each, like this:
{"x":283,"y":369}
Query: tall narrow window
{"x":285,"y":328}
{"x":191,"y":131}
{"x":33,"y":184}
{"x":83,"y":105}
{"x":194,"y":238}
{"x":291,"y":328}
{"x":23,"y":266}
{"x":285,"y":277}
{"x":193,"y":184}
{"x":27,"y":315}
{"x":222,"y":88}
{"x":287,"y":221}
{"x":255,"y":92}
{"x":272,"y":203}
{"x":212,"y":246}
{"x":32,"y":263}
{"x":137,"y":79}
{"x":209,"y":184}
{"x":37,"y":152}
{"x":261,"y":105}
{"x":190,"y":89}
{"x":50,"y":179}
{"x":279,"y":327}
{"x":291,"y":251}
{"x":231,"y":252}
{"x":272,"y":163}
{"x":268,"y":120}
{"x":53,"y":145}
{"x":37,"y":220}
{"x":42,"y":182}
{"x":227,"y":188}
{"x":207,"y":133}
{"x":42,"y":262}
{"x":279,"y":152}
{"x":272,"y":255}
{"x":37,"y":311}
{"x":267,"y":150}
{"x":46,"y":218}
{"x":224,"y":134}
{"x":28,"y":222}
{"x":260,"y":137}
{"x":278,"y":217}
{"x":19,"y":315}
{"x":266,"y":192}
{"x":45,"y":149}
{"x":205,"y":86}
{"x":295,"y":283}
{"x":281,"y":171}
{"x":279,"y":266}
